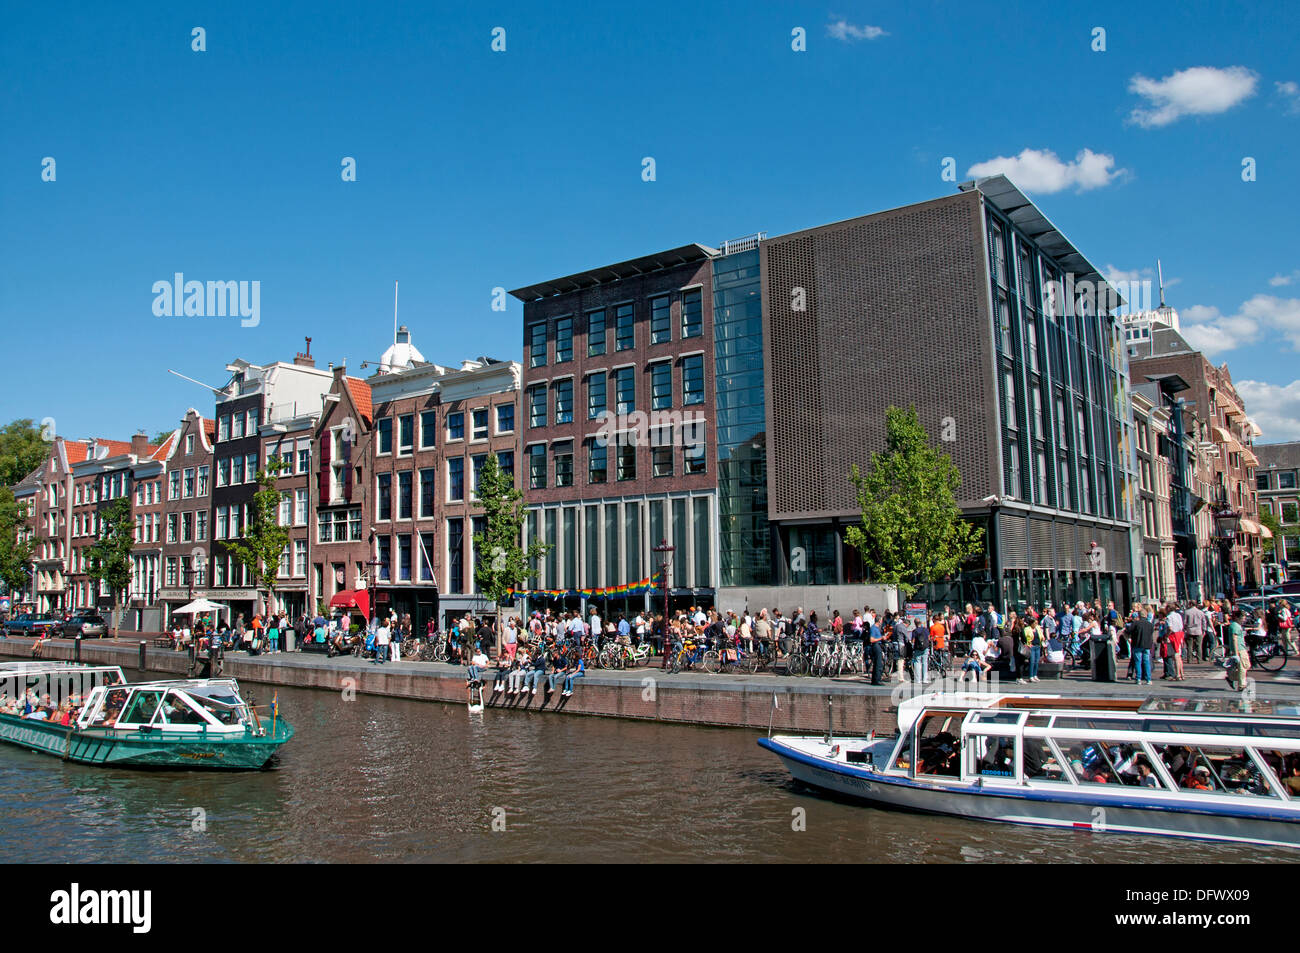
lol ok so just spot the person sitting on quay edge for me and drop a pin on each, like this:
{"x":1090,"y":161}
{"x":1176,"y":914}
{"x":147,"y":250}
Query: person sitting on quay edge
{"x":477,"y":661}
{"x":560,"y":666}
{"x":536,"y":669}
{"x":519,"y":667}
{"x":505,"y":663}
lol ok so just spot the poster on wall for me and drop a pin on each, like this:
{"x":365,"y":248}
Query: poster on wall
{"x":918,"y":612}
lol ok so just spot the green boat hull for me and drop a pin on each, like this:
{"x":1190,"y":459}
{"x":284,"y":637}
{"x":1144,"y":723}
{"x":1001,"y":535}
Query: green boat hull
{"x":146,"y":749}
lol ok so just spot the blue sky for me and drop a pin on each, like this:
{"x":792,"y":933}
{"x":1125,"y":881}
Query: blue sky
{"x":478,"y":169}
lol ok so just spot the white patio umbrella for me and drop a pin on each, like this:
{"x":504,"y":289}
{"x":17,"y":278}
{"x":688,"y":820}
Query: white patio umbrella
{"x":199,"y":605}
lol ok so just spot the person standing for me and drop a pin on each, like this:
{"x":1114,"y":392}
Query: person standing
{"x":1142,"y":639}
{"x":1032,"y":633}
{"x":1195,"y":623}
{"x":921,"y":653}
{"x":383,"y":635}
{"x":875,"y":645}
{"x":1174,"y":621}
{"x":1236,"y":648}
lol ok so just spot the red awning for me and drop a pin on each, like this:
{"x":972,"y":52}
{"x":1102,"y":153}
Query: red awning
{"x":352,"y":599}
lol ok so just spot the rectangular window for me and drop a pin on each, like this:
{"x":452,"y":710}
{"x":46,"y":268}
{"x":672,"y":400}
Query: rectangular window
{"x":174,"y":485}
{"x":564,"y":401}
{"x":304,"y":460}
{"x":300,"y":557}
{"x":595,"y":332}
{"x":428,"y":429}
{"x":692,"y":313}
{"x":384,"y":497}
{"x":236,"y":470}
{"x":626,"y":451}
{"x":1286,"y":480}
{"x":476,"y":463}
{"x":479,"y":420}
{"x":632,"y":540}
{"x":427,"y":498}
{"x":187,"y":527}
{"x":624,"y":390}
{"x":536,"y":346}
{"x":404,"y":557}
{"x":693,"y":448}
{"x":300,"y":507}
{"x":693,"y":380}
{"x":595,"y":395}
{"x":537,"y":466}
{"x":506,"y":462}
{"x":562,"y":450}
{"x":223,"y":428}
{"x":661,"y":452}
{"x":222,"y":529}
{"x":385,"y":426}
{"x":404,"y":480}
{"x":239,"y":426}
{"x":597,"y":455}
{"x":385,"y":557}
{"x":456,"y":426}
{"x":426,"y":556}
{"x":405,"y":434}
{"x":661,"y":386}
{"x":563,"y":340}
{"x":286,"y":509}
{"x":624,"y":328}
{"x":537,"y":406}
{"x":661,"y":319}
{"x":505,"y":418}
{"x":203,"y":481}
{"x":456,"y":479}
{"x":250,"y":464}
{"x":456,"y":555}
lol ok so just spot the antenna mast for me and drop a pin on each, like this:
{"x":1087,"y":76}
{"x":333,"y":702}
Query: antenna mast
{"x":394,"y":312}
{"x":1161,"y":277}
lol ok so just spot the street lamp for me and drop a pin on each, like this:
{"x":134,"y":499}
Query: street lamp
{"x":1180,"y":566}
{"x":665,"y":553}
{"x":1226,"y":523}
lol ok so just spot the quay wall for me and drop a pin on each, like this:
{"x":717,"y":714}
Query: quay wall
{"x":804,"y":705}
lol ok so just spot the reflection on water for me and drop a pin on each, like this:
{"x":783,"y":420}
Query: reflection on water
{"x":391,"y":780}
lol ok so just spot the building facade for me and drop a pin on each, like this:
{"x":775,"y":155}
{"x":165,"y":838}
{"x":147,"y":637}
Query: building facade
{"x":1279,"y":496}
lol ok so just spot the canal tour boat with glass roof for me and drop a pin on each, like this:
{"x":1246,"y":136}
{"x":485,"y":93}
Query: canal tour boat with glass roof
{"x":185,"y":723}
{"x":1220,"y":768}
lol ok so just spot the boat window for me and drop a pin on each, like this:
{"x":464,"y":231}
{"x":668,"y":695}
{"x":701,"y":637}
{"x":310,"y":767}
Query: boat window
{"x":992,"y":755}
{"x":1286,"y":766}
{"x":1038,"y":721}
{"x":1108,"y":762}
{"x":112,"y":707}
{"x":140,"y":709}
{"x":179,"y":711}
{"x":222,"y":713}
{"x":996,"y":717}
{"x":937,"y":747}
{"x":1040,"y":761}
{"x":904,"y":760}
{"x":1228,"y":769}
{"x":1096,"y":724}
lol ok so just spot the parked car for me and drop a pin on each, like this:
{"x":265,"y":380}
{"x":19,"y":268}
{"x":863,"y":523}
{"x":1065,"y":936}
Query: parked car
{"x":31,"y":623}
{"x":88,"y":625}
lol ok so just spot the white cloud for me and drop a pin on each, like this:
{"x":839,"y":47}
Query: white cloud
{"x":1198,"y":91}
{"x":1040,"y":170}
{"x":842,"y":29}
{"x":1117,"y":275}
{"x":1275,"y":408}
{"x":1290,"y":92}
{"x":1278,"y":281}
{"x":1209,"y":330}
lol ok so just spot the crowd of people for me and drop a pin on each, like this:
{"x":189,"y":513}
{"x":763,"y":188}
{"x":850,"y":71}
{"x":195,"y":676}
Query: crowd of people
{"x":42,"y":708}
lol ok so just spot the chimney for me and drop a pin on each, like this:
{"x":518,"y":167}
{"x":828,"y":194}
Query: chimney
{"x":304,"y":358}
{"x":139,"y":443}
{"x":340,"y":372}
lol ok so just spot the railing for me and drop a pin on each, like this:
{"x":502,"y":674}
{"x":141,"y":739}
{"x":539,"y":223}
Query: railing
{"x":748,"y":243}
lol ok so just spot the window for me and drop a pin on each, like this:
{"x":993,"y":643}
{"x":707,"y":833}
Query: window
{"x":1286,"y":480}
{"x":404,"y":495}
{"x":300,"y":507}
{"x":624,"y":329}
{"x":505,"y":418}
{"x":626,"y":451}
{"x":426,"y":557}
{"x":286,"y":509}
{"x":456,"y":426}
{"x":1013,"y":469}
{"x":562,"y":450}
{"x":597,"y":455}
{"x":384,"y":497}
{"x":693,"y":379}
{"x":427,"y":498}
{"x":595,"y":395}
{"x":223,"y":428}
{"x":1261,"y":481}
{"x":506,"y":461}
{"x":203,"y":481}
{"x":456,"y":478}
{"x":563,"y":340}
{"x":564,"y":401}
{"x":405,"y":434}
{"x":300,"y":557}
{"x":624,"y":390}
{"x":693,"y":452}
{"x":660,"y":319}
{"x":456,"y":555}
{"x":222,"y":528}
{"x":661,"y":452}
{"x":537,"y":344}
{"x":692,"y":313}
{"x":428,"y":429}
{"x":476,"y":463}
{"x":385,"y":557}
{"x":250,"y":464}
{"x":385,"y":426}
{"x":537,"y":466}
{"x":537,"y":406}
{"x":1009,"y":400}
{"x":404,"y":557}
{"x":304,"y":460}
{"x":174,"y":485}
{"x":173,"y":522}
{"x":1290,"y":512}
{"x":1104,"y":762}
{"x":479,"y":419}
{"x":595,"y":332}
{"x":187,"y":527}
{"x":189,"y":444}
{"x":661,"y":386}
{"x":239,"y":426}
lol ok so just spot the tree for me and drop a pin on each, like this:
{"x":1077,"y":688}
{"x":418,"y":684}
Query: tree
{"x":911,"y":531}
{"x":109,"y":557}
{"x":15,"y":553}
{"x":264,"y":539}
{"x":22,"y":448}
{"x":504,"y":563}
{"x":160,"y":436}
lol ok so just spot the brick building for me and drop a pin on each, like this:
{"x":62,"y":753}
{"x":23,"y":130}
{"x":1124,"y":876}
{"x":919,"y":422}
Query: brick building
{"x":1278,"y":492}
{"x":188,"y":527}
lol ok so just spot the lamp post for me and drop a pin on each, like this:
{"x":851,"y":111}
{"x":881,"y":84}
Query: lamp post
{"x":1226,"y":523}
{"x":665,"y":554}
{"x":1180,"y":566}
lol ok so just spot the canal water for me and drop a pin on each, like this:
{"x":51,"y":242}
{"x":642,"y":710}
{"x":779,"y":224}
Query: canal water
{"x":387,"y":780}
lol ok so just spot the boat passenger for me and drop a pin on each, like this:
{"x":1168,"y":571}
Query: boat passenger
{"x":1146,"y":777}
{"x":1199,"y":779}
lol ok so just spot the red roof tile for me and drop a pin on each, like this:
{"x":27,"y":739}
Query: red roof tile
{"x":75,"y":449}
{"x":160,"y":451}
{"x":210,"y":428}
{"x":360,"y":392}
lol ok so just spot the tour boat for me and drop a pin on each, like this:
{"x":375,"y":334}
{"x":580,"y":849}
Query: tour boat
{"x":184,"y":723}
{"x":1219,"y":768}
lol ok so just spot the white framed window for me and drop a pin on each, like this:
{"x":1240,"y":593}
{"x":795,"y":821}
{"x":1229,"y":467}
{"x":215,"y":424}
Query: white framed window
{"x":189,"y":444}
{"x":300,"y":516}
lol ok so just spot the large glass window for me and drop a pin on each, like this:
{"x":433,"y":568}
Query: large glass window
{"x":562,"y":451}
{"x":537,"y":405}
{"x":595,"y":395}
{"x":405,"y":433}
{"x":505,"y":418}
{"x":506,"y":462}
{"x":477,"y":462}
{"x":625,"y":328}
{"x":703,"y":542}
{"x":428,"y":480}
{"x":693,"y":380}
{"x":661,"y":386}
{"x":385,"y":425}
{"x":479,"y":419}
{"x":626,"y":460}
{"x":661,"y":452}
{"x":456,"y":555}
{"x":384,"y":497}
{"x":625,"y":390}
{"x":661,"y":319}
{"x":456,"y":479}
{"x":456,"y":426}
{"x":428,"y":429}
{"x":404,"y":480}
{"x":563,"y":340}
{"x":564,"y":401}
{"x":631,"y":540}
{"x":404,"y":557}
{"x":536,"y":346}
{"x":597,"y":456}
{"x":595,"y":332}
{"x":537,"y":466}
{"x":692,"y":313}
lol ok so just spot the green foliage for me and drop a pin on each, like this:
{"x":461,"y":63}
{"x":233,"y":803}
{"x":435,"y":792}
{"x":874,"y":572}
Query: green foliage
{"x":505,"y":563}
{"x":160,"y":436}
{"x":911,"y":531}
{"x":22,"y":448}
{"x":264,"y":539}
{"x":109,"y":557}
{"x":15,"y":554}
{"x":1274,"y":524}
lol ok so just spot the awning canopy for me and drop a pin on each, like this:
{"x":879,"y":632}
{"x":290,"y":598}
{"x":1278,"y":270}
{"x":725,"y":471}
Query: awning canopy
{"x":352,"y":599}
{"x":1225,"y":437}
{"x":1250,"y":526}
{"x":199,"y":605}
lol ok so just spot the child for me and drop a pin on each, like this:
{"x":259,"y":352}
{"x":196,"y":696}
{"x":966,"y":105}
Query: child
{"x":504,"y":665}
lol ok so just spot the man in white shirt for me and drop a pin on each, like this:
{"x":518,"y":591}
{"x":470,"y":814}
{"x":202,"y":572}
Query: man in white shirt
{"x":382,"y":637}
{"x":478,"y":661}
{"x":700,"y":618}
{"x":976,"y":662}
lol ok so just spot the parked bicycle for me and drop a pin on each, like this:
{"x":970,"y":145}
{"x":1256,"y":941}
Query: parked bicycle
{"x":618,"y":656}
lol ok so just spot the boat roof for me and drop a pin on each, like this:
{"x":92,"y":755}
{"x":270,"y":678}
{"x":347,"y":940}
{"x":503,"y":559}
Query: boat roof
{"x":38,"y":668}
{"x":1223,"y":703}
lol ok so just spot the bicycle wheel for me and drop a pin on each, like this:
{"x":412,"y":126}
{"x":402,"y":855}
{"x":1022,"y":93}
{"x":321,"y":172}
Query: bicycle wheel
{"x":796,"y":665}
{"x":1270,"y":657}
{"x":712,"y":662}
{"x":749,"y":664}
{"x":675,"y":665}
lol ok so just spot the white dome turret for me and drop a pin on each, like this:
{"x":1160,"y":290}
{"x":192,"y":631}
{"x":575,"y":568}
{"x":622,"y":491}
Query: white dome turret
{"x":401,"y":354}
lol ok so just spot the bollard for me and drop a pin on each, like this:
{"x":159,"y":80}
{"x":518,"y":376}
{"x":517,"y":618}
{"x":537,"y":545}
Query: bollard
{"x":76,"y":649}
{"x":143,"y":646}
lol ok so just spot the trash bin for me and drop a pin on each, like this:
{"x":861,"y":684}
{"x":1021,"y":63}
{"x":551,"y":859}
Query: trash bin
{"x":1103,"y":660}
{"x":289,"y":636}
